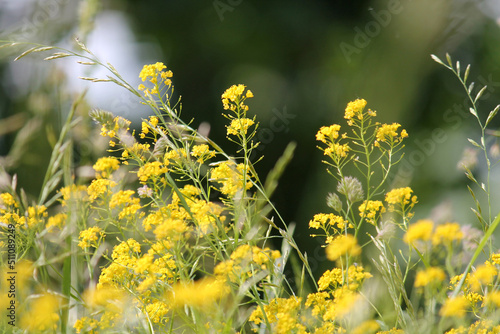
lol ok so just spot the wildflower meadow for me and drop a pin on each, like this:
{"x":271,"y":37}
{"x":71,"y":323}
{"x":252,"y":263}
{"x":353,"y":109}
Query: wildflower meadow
{"x":172,"y":234}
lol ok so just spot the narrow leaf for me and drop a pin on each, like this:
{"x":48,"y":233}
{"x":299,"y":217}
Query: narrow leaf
{"x":473,"y":112}
{"x":458,"y":68}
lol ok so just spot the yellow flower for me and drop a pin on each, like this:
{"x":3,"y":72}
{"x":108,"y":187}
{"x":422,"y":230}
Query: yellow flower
{"x":202,"y":293}
{"x":43,"y":314}
{"x":157,"y":311}
{"x":371,"y":210}
{"x":341,"y":245}
{"x":328,"y":132}
{"x":239,"y":126}
{"x":232,"y":98}
{"x":354,"y":109}
{"x":124,"y":199}
{"x":90,"y":236}
{"x":325,"y":221}
{"x":231,"y":177}
{"x":202,"y":152}
{"x":105,"y":166}
{"x":447,"y":233}
{"x":454,"y":307}
{"x":421,"y":230}
{"x":99,"y":187}
{"x":429,"y":276}
{"x":484,"y":274}
{"x":401,"y":198}
{"x":279,"y":311}
{"x":492,"y":299}
{"x":387,"y":133}
{"x":366,"y":327}
{"x":7,"y":200}
{"x":151,"y":170}
{"x":56,"y":221}
{"x":337,"y":151}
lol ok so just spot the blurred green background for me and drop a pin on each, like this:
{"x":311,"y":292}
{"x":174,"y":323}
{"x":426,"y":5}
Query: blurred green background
{"x":303,"y":60}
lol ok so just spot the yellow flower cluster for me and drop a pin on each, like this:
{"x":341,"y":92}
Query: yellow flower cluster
{"x":245,"y":261}
{"x":151,"y":73}
{"x":128,"y":204}
{"x":329,"y":135}
{"x":202,"y":152}
{"x":354,"y":110}
{"x":233,"y":98}
{"x":327,"y":221}
{"x":371,"y":210}
{"x":430,"y":276}
{"x":105,"y":166}
{"x":152,"y":171}
{"x":98,"y":188}
{"x":231,"y":177}
{"x":420,"y":230}
{"x":43,"y":314}
{"x":146,"y":127}
{"x":342,"y":245}
{"x":91,"y":237}
{"x":401,"y":199}
{"x":239,"y":126}
{"x":111,"y":129}
{"x":387,"y":133}
{"x":423,"y":230}
{"x":281,"y":313}
{"x":201,"y":294}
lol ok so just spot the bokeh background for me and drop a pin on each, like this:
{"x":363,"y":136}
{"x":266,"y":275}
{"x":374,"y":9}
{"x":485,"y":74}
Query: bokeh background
{"x":304,"y":60}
